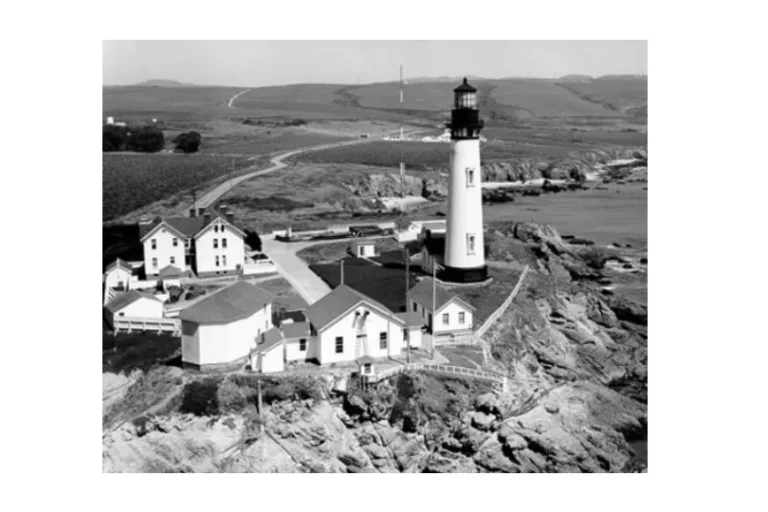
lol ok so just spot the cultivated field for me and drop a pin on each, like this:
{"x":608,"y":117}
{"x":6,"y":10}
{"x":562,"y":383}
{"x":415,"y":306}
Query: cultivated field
{"x":131,"y":181}
{"x":167,"y":103}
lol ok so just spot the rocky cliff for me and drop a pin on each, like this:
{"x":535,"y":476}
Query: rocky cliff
{"x":576,"y":359}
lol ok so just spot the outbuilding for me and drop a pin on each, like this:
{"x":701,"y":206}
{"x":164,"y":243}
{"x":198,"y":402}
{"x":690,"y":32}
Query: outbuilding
{"x":220,"y":331}
{"x":454,"y":315}
{"x":269,"y":354}
{"x":135,"y":305}
{"x":118,"y":275}
{"x":363,"y":248}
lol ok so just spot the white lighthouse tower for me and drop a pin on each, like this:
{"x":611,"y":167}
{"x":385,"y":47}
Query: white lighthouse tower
{"x":464,"y":260}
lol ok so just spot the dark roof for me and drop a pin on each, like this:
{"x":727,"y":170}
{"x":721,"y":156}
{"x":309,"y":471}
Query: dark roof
{"x":435,"y":244}
{"x":171,"y":271}
{"x":127,"y":298}
{"x":411,"y":318}
{"x":235,"y":302}
{"x":336,"y":303}
{"x":465,"y":87}
{"x":422,"y":293}
{"x":434,"y":224}
{"x":269,"y":340}
{"x":187,"y":226}
{"x":295,"y":330}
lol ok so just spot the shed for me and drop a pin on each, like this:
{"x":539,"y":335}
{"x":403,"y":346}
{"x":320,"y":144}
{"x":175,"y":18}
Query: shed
{"x":363,"y":248}
{"x":365,"y":365}
{"x":133,"y":304}
{"x":269,"y":356}
{"x":412,"y":331}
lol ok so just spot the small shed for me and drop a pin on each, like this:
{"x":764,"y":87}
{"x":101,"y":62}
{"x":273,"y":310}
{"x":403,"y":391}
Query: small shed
{"x":365,"y":365}
{"x":171,"y":276}
{"x":413,"y":328}
{"x":363,"y":248}
{"x":269,"y":354}
{"x":133,"y":304}
{"x":118,"y":275}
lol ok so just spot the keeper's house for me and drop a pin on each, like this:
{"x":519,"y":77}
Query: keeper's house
{"x":220,"y":331}
{"x":206,"y":242}
{"x":454,"y":315}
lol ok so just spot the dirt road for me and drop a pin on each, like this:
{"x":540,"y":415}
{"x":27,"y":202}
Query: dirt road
{"x":233,"y":98}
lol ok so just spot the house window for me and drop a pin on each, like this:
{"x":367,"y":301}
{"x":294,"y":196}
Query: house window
{"x":224,"y":261}
{"x":154,"y":243}
{"x":215,"y":243}
{"x":405,"y":334}
{"x":121,"y":314}
{"x":339,"y":344}
{"x":470,"y":243}
{"x":175,"y":242}
{"x":415,"y":307}
{"x":303,"y":345}
{"x":445,"y":318}
{"x":224,"y":243}
{"x":154,"y":262}
{"x":187,"y":243}
{"x":217,"y":261}
{"x":383,"y":340}
{"x":470,"y":176}
{"x":461,"y":318}
{"x":216,"y":228}
{"x":173,"y":260}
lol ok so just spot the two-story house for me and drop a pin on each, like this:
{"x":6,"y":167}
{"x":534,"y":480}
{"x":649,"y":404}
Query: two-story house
{"x":206,"y":242}
{"x":450,"y":315}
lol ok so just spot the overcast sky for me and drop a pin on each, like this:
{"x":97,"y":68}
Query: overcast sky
{"x":258,"y":63}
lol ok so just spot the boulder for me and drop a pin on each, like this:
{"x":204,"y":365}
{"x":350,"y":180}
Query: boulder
{"x":482,"y":421}
{"x":628,"y":310}
{"x":489,"y":404}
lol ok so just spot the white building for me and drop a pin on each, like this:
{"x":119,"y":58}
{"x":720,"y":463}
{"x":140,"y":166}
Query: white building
{"x":222,"y":330}
{"x":118,"y":275}
{"x":363,"y":248}
{"x":207,"y":243}
{"x":453,"y":314}
{"x":346,"y":325}
{"x":269,"y":354}
{"x":464,"y":258}
{"x":133,"y":305}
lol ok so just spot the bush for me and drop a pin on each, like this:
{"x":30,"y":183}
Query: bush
{"x":253,"y":240}
{"x":114,"y":138}
{"x":188,"y":142}
{"x":231,"y":398}
{"x":146,"y":139}
{"x":201,"y":397}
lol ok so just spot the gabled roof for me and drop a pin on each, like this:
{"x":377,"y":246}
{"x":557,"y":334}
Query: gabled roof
{"x":434,"y":225}
{"x":128,"y":298}
{"x":338,"y":302}
{"x":422,"y":294}
{"x":269,"y":340}
{"x":410,"y":318}
{"x":434,"y":244}
{"x":171,"y":271}
{"x":118,"y":263}
{"x":235,"y":302}
{"x":185,"y":227}
{"x":465,"y":87}
{"x":295,"y":330}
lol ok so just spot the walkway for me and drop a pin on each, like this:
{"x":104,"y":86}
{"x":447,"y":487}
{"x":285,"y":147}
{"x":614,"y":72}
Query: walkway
{"x":294,"y":269}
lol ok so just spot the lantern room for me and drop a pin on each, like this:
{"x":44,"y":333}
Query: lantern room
{"x":465,"y":96}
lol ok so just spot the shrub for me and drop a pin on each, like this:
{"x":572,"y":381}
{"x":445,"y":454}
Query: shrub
{"x":188,"y":142}
{"x":231,"y":398}
{"x":253,"y":240}
{"x":201,"y":397}
{"x":147,"y":139}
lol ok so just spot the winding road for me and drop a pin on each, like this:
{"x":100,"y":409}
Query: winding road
{"x":233,"y":98}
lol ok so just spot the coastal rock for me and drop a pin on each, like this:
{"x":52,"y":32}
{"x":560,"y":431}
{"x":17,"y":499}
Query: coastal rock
{"x":629,"y":310}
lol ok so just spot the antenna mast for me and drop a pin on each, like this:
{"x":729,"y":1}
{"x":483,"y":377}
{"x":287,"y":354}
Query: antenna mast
{"x":402,"y":162}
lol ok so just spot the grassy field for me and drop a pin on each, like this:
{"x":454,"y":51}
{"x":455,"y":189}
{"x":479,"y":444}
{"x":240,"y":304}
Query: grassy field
{"x":131,"y":181}
{"x":615,"y":93}
{"x":142,"y":103}
{"x":385,"y":154}
{"x":545,"y":99}
{"x":428,"y":96}
{"x":126,"y":352}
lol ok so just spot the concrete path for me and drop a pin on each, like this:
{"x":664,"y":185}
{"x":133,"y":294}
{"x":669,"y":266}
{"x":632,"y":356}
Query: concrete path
{"x":294,"y":269}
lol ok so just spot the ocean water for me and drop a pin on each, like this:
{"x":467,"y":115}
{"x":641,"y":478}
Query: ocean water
{"x":618,"y":214}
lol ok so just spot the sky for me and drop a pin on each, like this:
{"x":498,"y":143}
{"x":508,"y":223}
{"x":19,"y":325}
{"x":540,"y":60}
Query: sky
{"x":261,"y":63}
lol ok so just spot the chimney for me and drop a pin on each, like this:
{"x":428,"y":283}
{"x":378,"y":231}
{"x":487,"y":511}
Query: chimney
{"x":200,"y":212}
{"x":192,"y":212}
{"x":206,"y":217}
{"x":223,"y":209}
{"x":230,"y":217}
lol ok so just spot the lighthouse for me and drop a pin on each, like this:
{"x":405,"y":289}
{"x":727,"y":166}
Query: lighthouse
{"x":464,"y":257}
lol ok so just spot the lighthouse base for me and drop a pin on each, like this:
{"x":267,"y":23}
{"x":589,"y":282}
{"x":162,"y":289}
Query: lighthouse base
{"x":464,"y":275}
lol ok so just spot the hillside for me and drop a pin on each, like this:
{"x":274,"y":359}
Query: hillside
{"x":157,"y":82}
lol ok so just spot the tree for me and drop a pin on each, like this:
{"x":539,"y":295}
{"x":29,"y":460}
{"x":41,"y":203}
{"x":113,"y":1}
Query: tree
{"x":147,"y":139}
{"x":114,"y":138}
{"x":188,"y":142}
{"x":253,"y":240}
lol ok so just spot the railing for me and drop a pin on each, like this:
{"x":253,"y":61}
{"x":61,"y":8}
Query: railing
{"x":501,"y":309}
{"x":462,"y":338}
{"x":128,"y":324}
{"x":500,"y":381}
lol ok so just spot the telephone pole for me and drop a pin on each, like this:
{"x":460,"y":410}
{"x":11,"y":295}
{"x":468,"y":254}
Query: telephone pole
{"x":407,"y":303}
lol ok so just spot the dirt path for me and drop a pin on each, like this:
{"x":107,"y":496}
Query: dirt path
{"x":233,"y":98}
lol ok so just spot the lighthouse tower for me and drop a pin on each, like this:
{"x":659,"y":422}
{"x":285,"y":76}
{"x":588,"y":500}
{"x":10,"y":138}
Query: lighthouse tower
{"x":464,"y":260}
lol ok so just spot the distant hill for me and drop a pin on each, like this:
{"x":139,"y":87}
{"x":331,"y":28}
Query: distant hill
{"x":157,"y":82}
{"x":441,"y":79}
{"x":639,"y":78}
{"x":575,"y":78}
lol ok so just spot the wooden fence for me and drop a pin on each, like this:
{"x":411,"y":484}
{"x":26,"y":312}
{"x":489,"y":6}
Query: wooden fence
{"x":501,"y":309}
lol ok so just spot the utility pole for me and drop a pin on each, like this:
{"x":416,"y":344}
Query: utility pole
{"x":407,"y":303}
{"x":261,"y":406}
{"x":342,"y":271}
{"x":434,"y":305}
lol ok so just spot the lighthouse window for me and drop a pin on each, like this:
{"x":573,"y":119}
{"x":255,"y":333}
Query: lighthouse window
{"x":470,"y":177}
{"x":470,"y":244}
